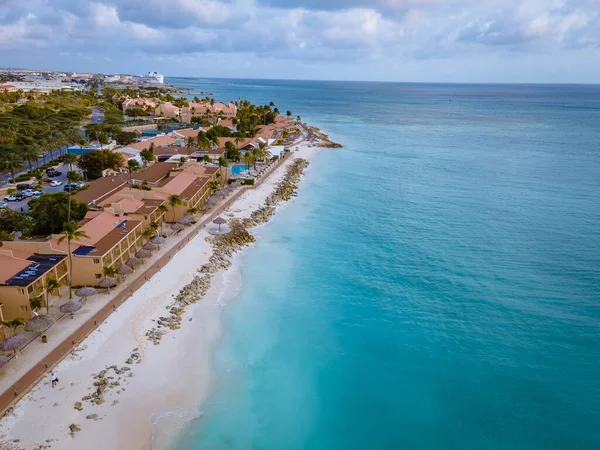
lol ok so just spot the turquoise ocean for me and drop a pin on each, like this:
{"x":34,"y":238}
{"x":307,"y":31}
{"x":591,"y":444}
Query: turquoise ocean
{"x":436,"y":283}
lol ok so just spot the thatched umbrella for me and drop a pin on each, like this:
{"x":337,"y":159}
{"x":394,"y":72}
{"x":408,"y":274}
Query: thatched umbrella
{"x":133,"y":261}
{"x":211,"y":201}
{"x":125,"y":269}
{"x":158,"y":240}
{"x":14,"y":343}
{"x":108,"y":282}
{"x":3,"y":361}
{"x":39,"y":324}
{"x":177,"y":227}
{"x":143,"y":254}
{"x":219,"y":221}
{"x":72,"y":307}
{"x":150,"y":246}
{"x":85,"y":292}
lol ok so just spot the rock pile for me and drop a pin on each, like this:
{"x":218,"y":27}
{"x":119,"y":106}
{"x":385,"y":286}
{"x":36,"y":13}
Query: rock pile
{"x":188,"y":295}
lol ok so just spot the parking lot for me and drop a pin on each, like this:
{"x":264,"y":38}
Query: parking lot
{"x":22,"y":205}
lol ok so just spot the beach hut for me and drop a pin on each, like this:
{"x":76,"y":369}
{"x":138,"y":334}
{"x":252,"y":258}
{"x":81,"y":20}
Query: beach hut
{"x":39,"y":324}
{"x":70,"y":308}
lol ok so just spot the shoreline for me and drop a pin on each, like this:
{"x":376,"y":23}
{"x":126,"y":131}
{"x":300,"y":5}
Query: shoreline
{"x":139,"y":393}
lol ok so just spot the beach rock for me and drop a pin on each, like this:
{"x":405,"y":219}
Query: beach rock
{"x":74,"y":428}
{"x":99,"y":401}
{"x":129,"y":361}
{"x":78,"y":406}
{"x":92,"y":417}
{"x":114,"y":402}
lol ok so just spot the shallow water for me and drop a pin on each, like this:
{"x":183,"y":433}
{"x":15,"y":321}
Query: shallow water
{"x":436,"y":283}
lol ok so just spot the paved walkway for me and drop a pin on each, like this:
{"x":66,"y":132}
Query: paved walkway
{"x":27,"y":381}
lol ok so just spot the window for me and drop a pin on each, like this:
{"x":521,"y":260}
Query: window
{"x":96,"y":260}
{"x":145,"y":217}
{"x":30,"y":289}
{"x":23,"y":308}
{"x":98,"y":276}
{"x":22,"y":291}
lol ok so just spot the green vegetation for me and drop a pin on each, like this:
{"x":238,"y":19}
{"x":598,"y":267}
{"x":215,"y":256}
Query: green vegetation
{"x":175,"y":200}
{"x":13,"y":221}
{"x":94,"y":162}
{"x":249,"y":117}
{"x":248,"y":182}
{"x":50,"y":212}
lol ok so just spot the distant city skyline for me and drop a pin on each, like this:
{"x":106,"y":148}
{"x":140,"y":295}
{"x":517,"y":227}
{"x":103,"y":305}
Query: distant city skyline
{"x":495,"y":41}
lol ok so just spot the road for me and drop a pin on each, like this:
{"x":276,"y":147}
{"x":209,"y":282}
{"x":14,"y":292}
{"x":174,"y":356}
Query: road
{"x":54,"y":154}
{"x":16,"y":206}
{"x":97,"y":115}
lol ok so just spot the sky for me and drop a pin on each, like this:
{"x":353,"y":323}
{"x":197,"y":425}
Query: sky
{"x":546,"y":41}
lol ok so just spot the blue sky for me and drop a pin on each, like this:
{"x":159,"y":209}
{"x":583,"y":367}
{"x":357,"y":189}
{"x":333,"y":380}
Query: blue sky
{"x":391,"y":40}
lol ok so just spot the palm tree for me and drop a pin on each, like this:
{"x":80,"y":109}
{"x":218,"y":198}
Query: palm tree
{"x":162,"y":209}
{"x":175,"y":200}
{"x":298,"y":119}
{"x":147,"y":233}
{"x":30,"y":153}
{"x":71,"y":232}
{"x":261,"y":152}
{"x":70,"y":159}
{"x":288,"y":113}
{"x":132,"y":166}
{"x":13,"y":325}
{"x":248,"y":159}
{"x":52,"y":284}
{"x":153,"y":227}
{"x":190,"y":143}
{"x":214,"y":140}
{"x":11,"y":163}
{"x":222,"y":163}
{"x":109,"y":271}
{"x":192,"y":211}
{"x":213,"y":186}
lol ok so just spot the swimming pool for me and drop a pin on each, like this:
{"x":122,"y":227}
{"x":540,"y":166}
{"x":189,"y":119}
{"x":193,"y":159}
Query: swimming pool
{"x":237,"y":169}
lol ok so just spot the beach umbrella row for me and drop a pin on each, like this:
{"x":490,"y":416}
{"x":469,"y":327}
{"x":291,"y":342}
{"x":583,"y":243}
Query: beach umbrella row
{"x":133,"y":261}
{"x":219,"y":221}
{"x":143,"y":254}
{"x":150,"y":246}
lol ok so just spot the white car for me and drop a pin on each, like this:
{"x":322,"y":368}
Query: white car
{"x":3,"y":204}
{"x":28,"y":192}
{"x":55,"y":183}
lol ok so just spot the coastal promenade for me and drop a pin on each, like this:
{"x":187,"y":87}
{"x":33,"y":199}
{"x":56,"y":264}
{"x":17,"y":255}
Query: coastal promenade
{"x":22,"y":386}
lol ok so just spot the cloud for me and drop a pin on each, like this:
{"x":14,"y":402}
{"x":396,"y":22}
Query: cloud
{"x":323,"y":32}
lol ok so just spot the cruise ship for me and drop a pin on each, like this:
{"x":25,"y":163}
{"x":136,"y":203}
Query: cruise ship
{"x":155,"y":77}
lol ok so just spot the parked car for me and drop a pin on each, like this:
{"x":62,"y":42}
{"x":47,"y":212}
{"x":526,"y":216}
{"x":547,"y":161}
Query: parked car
{"x":55,"y":183}
{"x":3,"y":204}
{"x":28,"y":192}
{"x":54,"y":173}
{"x":36,"y":194}
{"x":23,"y":186}
{"x":70,"y":187}
{"x":14,"y":198}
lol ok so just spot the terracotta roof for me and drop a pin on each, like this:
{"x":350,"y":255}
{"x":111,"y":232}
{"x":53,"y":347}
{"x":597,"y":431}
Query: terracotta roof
{"x":130,"y":204}
{"x":114,"y":236}
{"x":98,"y":227}
{"x":100,"y":188}
{"x":186,"y":133}
{"x":153,"y":173}
{"x":193,"y":188}
{"x":243,"y":142}
{"x":225,"y":123}
{"x":158,"y":142}
{"x":177,"y":182}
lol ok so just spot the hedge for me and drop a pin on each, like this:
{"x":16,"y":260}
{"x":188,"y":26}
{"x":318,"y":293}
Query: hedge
{"x":248,"y":182}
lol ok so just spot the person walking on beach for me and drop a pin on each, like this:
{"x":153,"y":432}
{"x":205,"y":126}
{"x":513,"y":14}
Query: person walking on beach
{"x":53,"y":379}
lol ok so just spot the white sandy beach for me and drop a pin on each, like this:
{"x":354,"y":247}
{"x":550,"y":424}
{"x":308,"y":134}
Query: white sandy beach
{"x":168,"y":383}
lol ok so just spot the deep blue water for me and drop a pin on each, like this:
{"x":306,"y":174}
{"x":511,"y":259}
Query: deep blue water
{"x":436,"y":284}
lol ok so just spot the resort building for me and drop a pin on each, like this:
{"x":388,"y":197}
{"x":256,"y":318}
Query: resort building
{"x":111,"y":240}
{"x":207,"y":110}
{"x":23,"y":276}
{"x":147,"y":104}
{"x":168,"y":109}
